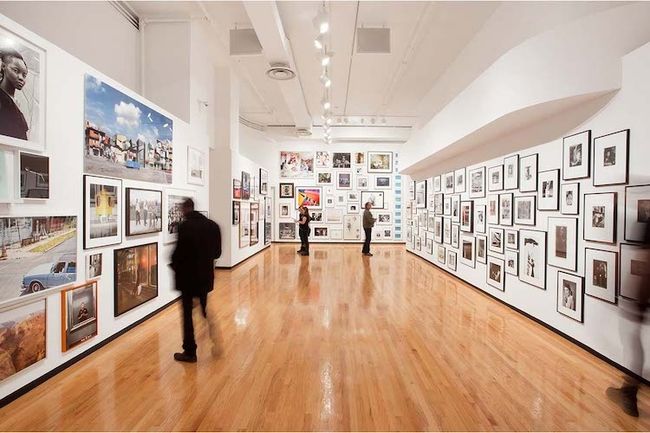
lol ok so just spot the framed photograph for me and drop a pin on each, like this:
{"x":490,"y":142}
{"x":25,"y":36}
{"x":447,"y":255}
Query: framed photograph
{"x":442,"y":254}
{"x":570,"y":295}
{"x":599,"y":223}
{"x":362,"y":182}
{"x":384,"y":218}
{"x":446,"y":205}
{"x":511,"y":172}
{"x":525,"y":210}
{"x":438,"y":204}
{"x":352,"y":227}
{"x":354,"y":197}
{"x":466,"y":214}
{"x":467,"y":250}
{"x":459,"y":181}
{"x":380,"y":162}
{"x":34,"y":175}
{"x":512,"y":239}
{"x":93,"y":266}
{"x":446,"y":231}
{"x":359,"y":158}
{"x":480,"y":218}
{"x":336,"y":234}
{"x":135,"y":277}
{"x":102,"y":211}
{"x":246,"y":186}
{"x":496,"y":240}
{"x":236,"y":189}
{"x":477,"y":182}
{"x":297,"y":164}
{"x":455,"y":235}
{"x":245,"y":224}
{"x":253,"y":188}
{"x":174,"y":200}
{"x":611,"y":155}
{"x":437,"y":229}
{"x":576,"y":155}
{"x":353,"y":208}
{"x":601,"y":274}
{"x":316,"y":216}
{"x":495,"y":178}
{"x":496,"y":273}
{"x":528,"y":173}
{"x":449,"y":183}
{"x":437,"y":187}
{"x":343,"y":180}
{"x":8,"y":180}
{"x":505,"y":209}
{"x":264,"y":182}
{"x":563,"y":242}
{"x":493,"y":209}
{"x":420,"y":194}
{"x":286,"y":190}
{"x":570,"y":198}
{"x":637,"y":212}
{"x":24,"y":330}
{"x":324,"y":178}
{"x":341,"y":200}
{"x":321,"y":232}
{"x":481,"y":249}
{"x":383,"y":182}
{"x":634,"y":270}
{"x":236,"y":208}
{"x":287,"y":231}
{"x":455,"y":208}
{"x":334,"y":215}
{"x":532,"y":261}
{"x":428,"y":242}
{"x":254,"y":222}
{"x":78,"y":315}
{"x":125,"y":138}
{"x":418,"y":243}
{"x":195,"y":166}
{"x":143,"y":211}
{"x":309,"y":196}
{"x":323,"y":159}
{"x":451,"y":260}
{"x":375,"y":198}
{"x":512,"y":262}
{"x":549,"y":184}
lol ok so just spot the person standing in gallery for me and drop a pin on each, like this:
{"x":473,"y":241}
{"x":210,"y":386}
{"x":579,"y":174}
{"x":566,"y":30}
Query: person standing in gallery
{"x":303,"y":230}
{"x":197,"y":247}
{"x":13,"y":76}
{"x":633,"y":312}
{"x":368,"y":224}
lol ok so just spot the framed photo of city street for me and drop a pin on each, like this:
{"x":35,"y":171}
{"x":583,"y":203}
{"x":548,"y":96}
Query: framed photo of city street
{"x":36,"y":254}
{"x":78,"y":315}
{"x":143,"y":211}
{"x":601,"y":274}
{"x":576,"y":153}
{"x":599,"y":223}
{"x":102,"y":211}
{"x":123,"y":137}
{"x":637,"y":212}
{"x":563,"y":242}
{"x":135,"y":276}
{"x":611,"y":155}
{"x":34,"y":176}
{"x":23,"y":342}
{"x":22,"y":119}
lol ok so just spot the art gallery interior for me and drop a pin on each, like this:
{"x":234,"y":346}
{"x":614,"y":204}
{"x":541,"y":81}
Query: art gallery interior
{"x":503,"y":147}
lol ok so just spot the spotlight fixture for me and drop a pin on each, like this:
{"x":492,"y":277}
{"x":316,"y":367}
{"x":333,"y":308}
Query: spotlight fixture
{"x":319,"y":42}
{"x":325,"y":59}
{"x":325,"y":80}
{"x":328,"y":121}
{"x":326,"y":104}
{"x":321,"y":22}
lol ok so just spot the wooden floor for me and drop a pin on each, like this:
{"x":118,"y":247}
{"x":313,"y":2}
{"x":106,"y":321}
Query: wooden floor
{"x":336,"y":341}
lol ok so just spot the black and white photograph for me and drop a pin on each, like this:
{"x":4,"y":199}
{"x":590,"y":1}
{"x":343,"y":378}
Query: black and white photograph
{"x":324,"y":178}
{"x":383,"y":182}
{"x":380,"y":162}
{"x":511,"y":172}
{"x":528,"y":173}
{"x":495,"y":273}
{"x":570,"y":198}
{"x":341,"y":160}
{"x":495,"y":178}
{"x":316,"y":215}
{"x":446,"y":231}
{"x":532,"y":257}
{"x":493,"y":209}
{"x":321,"y":232}
{"x":384,"y":218}
{"x":102,"y":211}
{"x":480,"y":218}
{"x":448,"y":182}
{"x":93,"y":266}
{"x":446,"y":205}
{"x":286,"y":190}
{"x":287,"y":231}
{"x":549,"y":190}
{"x":637,"y":212}
{"x":22,"y":102}
{"x":34,"y":176}
{"x":611,"y":154}
{"x":466,"y":215}
{"x":570,"y":295}
{"x":353,"y":196}
{"x":467,"y":247}
{"x":437,"y":187}
{"x":79,"y":318}
{"x":353,"y":208}
{"x":437,"y":229}
{"x":323,"y":159}
{"x":481,"y":249}
{"x":505,"y":209}
{"x":442,"y":254}
{"x":576,"y":154}
{"x":599,"y":223}
{"x":455,"y":235}
{"x":451,"y":259}
{"x":633,"y":268}
{"x":420,"y":194}
{"x":343,"y":180}
{"x":362,"y":182}
{"x":497,"y":244}
{"x":429,"y":245}
{"x":236,"y":206}
{"x":196,"y":171}
{"x":143,"y":211}
{"x":375,"y":198}
{"x":511,"y":239}
{"x":455,"y":208}
{"x":438,"y":204}
{"x":477,"y":182}
{"x":512,"y":262}
{"x":359,"y":158}
{"x":563,"y":243}
{"x":459,"y":180}
{"x":525,"y":210}
{"x":174,"y":200}
{"x":601,"y":274}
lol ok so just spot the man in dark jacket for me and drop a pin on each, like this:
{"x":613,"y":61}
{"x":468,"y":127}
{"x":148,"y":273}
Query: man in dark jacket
{"x":368,"y":224}
{"x":198,"y":245}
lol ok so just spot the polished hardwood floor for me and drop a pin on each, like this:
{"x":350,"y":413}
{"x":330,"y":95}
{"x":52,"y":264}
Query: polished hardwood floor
{"x":335,"y":341}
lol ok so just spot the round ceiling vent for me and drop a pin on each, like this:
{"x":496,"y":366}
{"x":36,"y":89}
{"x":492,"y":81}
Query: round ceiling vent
{"x":280,"y":71}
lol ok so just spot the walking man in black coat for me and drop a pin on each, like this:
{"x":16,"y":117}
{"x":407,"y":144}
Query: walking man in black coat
{"x":198,"y":245}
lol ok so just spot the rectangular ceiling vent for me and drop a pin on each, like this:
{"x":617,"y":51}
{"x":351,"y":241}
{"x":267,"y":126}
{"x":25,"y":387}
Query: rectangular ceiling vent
{"x":373,"y":41}
{"x":244,"y":42}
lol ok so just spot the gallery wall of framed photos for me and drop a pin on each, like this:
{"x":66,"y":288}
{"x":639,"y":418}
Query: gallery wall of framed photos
{"x":553,"y":230}
{"x":334,"y":182}
{"x":89,"y":195}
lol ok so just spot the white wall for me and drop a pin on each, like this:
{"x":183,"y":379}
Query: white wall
{"x":65,"y":147}
{"x":603,"y":325}
{"x":92,"y":31}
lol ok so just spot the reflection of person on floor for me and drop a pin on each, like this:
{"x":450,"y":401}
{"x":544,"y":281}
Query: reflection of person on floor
{"x":633,"y":313}
{"x":198,"y":246}
{"x":13,"y":76}
{"x":83,"y":314}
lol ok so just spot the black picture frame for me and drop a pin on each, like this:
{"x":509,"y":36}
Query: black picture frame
{"x":582,"y":296}
{"x":522,"y":160}
{"x":470,"y":228}
{"x":614,"y":223}
{"x":245,"y":185}
{"x":625,"y":217}
{"x":119,"y":275}
{"x":574,"y":240}
{"x":587,"y":146}
{"x":506,"y":162}
{"x":286,"y":184}
{"x":556,"y":179}
{"x":627,"y":158}
{"x":563,"y":210}
{"x":502,"y":221}
{"x":616,"y":274}
{"x":544,"y":250}
{"x":127,"y":212}
{"x":534,"y":210}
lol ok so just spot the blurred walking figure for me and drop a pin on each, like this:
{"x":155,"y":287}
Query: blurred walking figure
{"x":634,"y":313}
{"x":198,"y":245}
{"x":368,"y":224}
{"x":303,"y":230}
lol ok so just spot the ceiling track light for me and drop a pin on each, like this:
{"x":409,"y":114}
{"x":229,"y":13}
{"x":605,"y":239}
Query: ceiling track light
{"x":326,"y":104}
{"x":321,"y":22}
{"x":325,"y":80}
{"x":319,"y":42}
{"x":325,"y":59}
